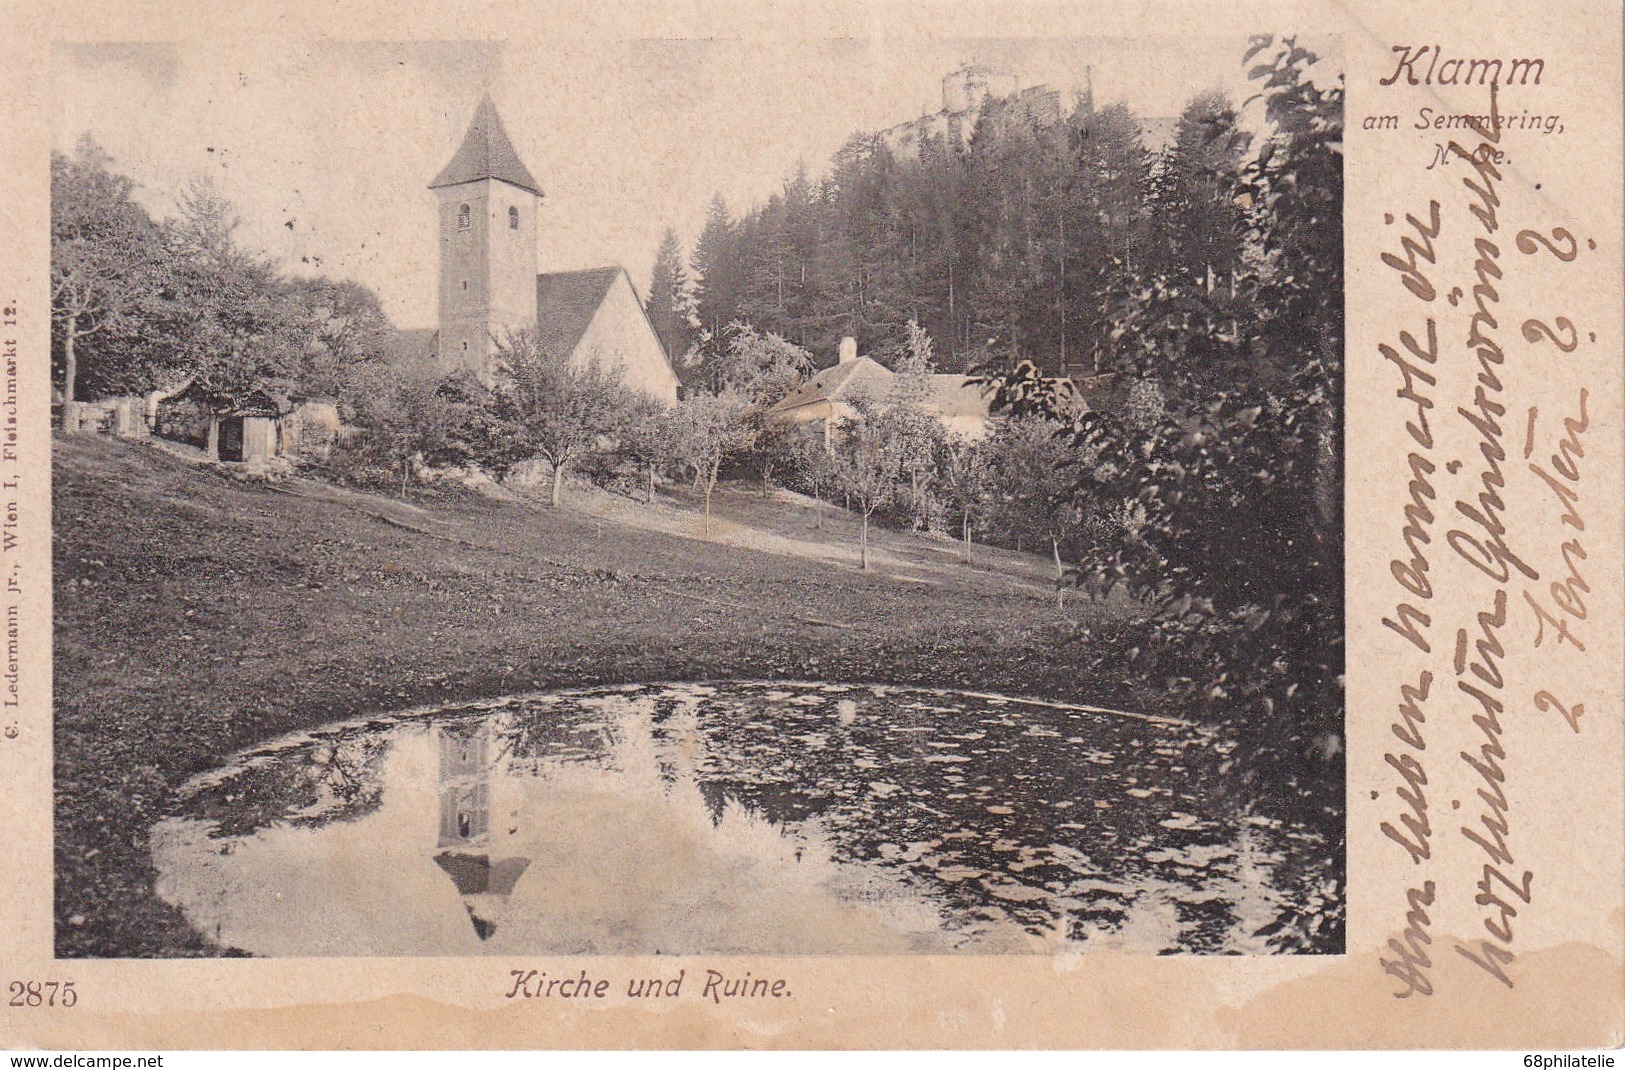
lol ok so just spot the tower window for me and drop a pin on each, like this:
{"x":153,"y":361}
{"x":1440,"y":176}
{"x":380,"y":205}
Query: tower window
{"x":513,"y":219}
{"x":465,"y":284}
{"x":463,"y":217}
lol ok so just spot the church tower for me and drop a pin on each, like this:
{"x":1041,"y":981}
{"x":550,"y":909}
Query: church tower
{"x":488,"y":202}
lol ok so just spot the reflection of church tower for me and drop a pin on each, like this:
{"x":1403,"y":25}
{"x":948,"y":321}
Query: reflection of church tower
{"x":488,"y":206}
{"x":465,"y":826}
{"x":465,"y":789}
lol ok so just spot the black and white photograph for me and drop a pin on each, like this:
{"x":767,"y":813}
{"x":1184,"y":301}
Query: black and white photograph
{"x":698,"y":497}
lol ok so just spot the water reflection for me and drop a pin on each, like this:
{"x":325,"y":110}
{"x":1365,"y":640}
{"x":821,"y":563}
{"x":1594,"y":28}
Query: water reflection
{"x":738,"y":818}
{"x":465,"y":842}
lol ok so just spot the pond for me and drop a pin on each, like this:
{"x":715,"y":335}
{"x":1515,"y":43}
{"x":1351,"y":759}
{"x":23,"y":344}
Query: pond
{"x":751,"y":818}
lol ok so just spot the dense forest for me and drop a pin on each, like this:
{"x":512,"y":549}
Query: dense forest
{"x":1019,"y":244}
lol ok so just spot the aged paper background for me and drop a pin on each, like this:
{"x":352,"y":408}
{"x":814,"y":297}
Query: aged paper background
{"x":1566,"y":789}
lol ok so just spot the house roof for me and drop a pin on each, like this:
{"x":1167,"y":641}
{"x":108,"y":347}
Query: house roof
{"x":485,"y":153}
{"x":959,"y":396}
{"x":948,"y":396}
{"x":1097,"y":392}
{"x":566,"y":302}
{"x":847,"y":380}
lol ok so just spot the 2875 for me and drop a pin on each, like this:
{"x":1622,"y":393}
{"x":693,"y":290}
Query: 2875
{"x":42,"y":994}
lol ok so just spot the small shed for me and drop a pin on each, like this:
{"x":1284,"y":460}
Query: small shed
{"x":250,"y":430}
{"x":241,"y":428}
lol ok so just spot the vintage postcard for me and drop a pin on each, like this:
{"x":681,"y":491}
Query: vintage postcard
{"x":812,"y":525}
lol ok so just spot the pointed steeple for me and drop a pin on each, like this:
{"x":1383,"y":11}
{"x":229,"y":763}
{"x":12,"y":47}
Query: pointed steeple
{"x":486,"y":153}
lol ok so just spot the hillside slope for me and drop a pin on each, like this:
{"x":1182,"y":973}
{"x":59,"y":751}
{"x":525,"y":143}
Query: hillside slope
{"x":195,"y":615}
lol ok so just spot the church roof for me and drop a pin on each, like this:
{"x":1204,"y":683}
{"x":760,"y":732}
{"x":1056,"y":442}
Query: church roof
{"x":483,"y":884}
{"x":486,"y":152}
{"x":479,"y":874}
{"x":566,"y":302}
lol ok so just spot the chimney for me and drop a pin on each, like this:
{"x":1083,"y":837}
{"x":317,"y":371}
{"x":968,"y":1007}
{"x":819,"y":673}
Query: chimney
{"x":849,"y":349}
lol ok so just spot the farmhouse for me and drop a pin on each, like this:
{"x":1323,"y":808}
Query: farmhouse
{"x":488,"y":202}
{"x":832,"y":395}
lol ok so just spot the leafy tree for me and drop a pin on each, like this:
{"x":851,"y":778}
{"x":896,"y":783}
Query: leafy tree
{"x":1230,"y":481}
{"x":867,"y":463}
{"x":967,"y":483}
{"x":913,"y":362}
{"x":138,"y":305}
{"x":552,"y":407}
{"x":109,"y":280}
{"x":708,"y":428}
{"x":765,"y":445}
{"x":761,"y":366}
{"x":1035,"y":469}
{"x":918,"y":434}
{"x":1295,"y":187}
{"x":1024,"y":390}
{"x":410,"y":420}
{"x":649,"y":439}
{"x":242,"y":321}
{"x":756,"y":369}
{"x":339,"y":327}
{"x":809,"y":456}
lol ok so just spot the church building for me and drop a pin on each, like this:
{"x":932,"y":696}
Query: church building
{"x":488,"y":209}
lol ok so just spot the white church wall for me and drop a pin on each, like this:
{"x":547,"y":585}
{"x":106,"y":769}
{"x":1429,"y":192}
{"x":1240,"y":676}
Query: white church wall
{"x":620,"y":335}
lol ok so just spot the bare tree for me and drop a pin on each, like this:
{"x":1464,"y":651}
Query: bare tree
{"x":708,"y":428}
{"x":965,"y":476}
